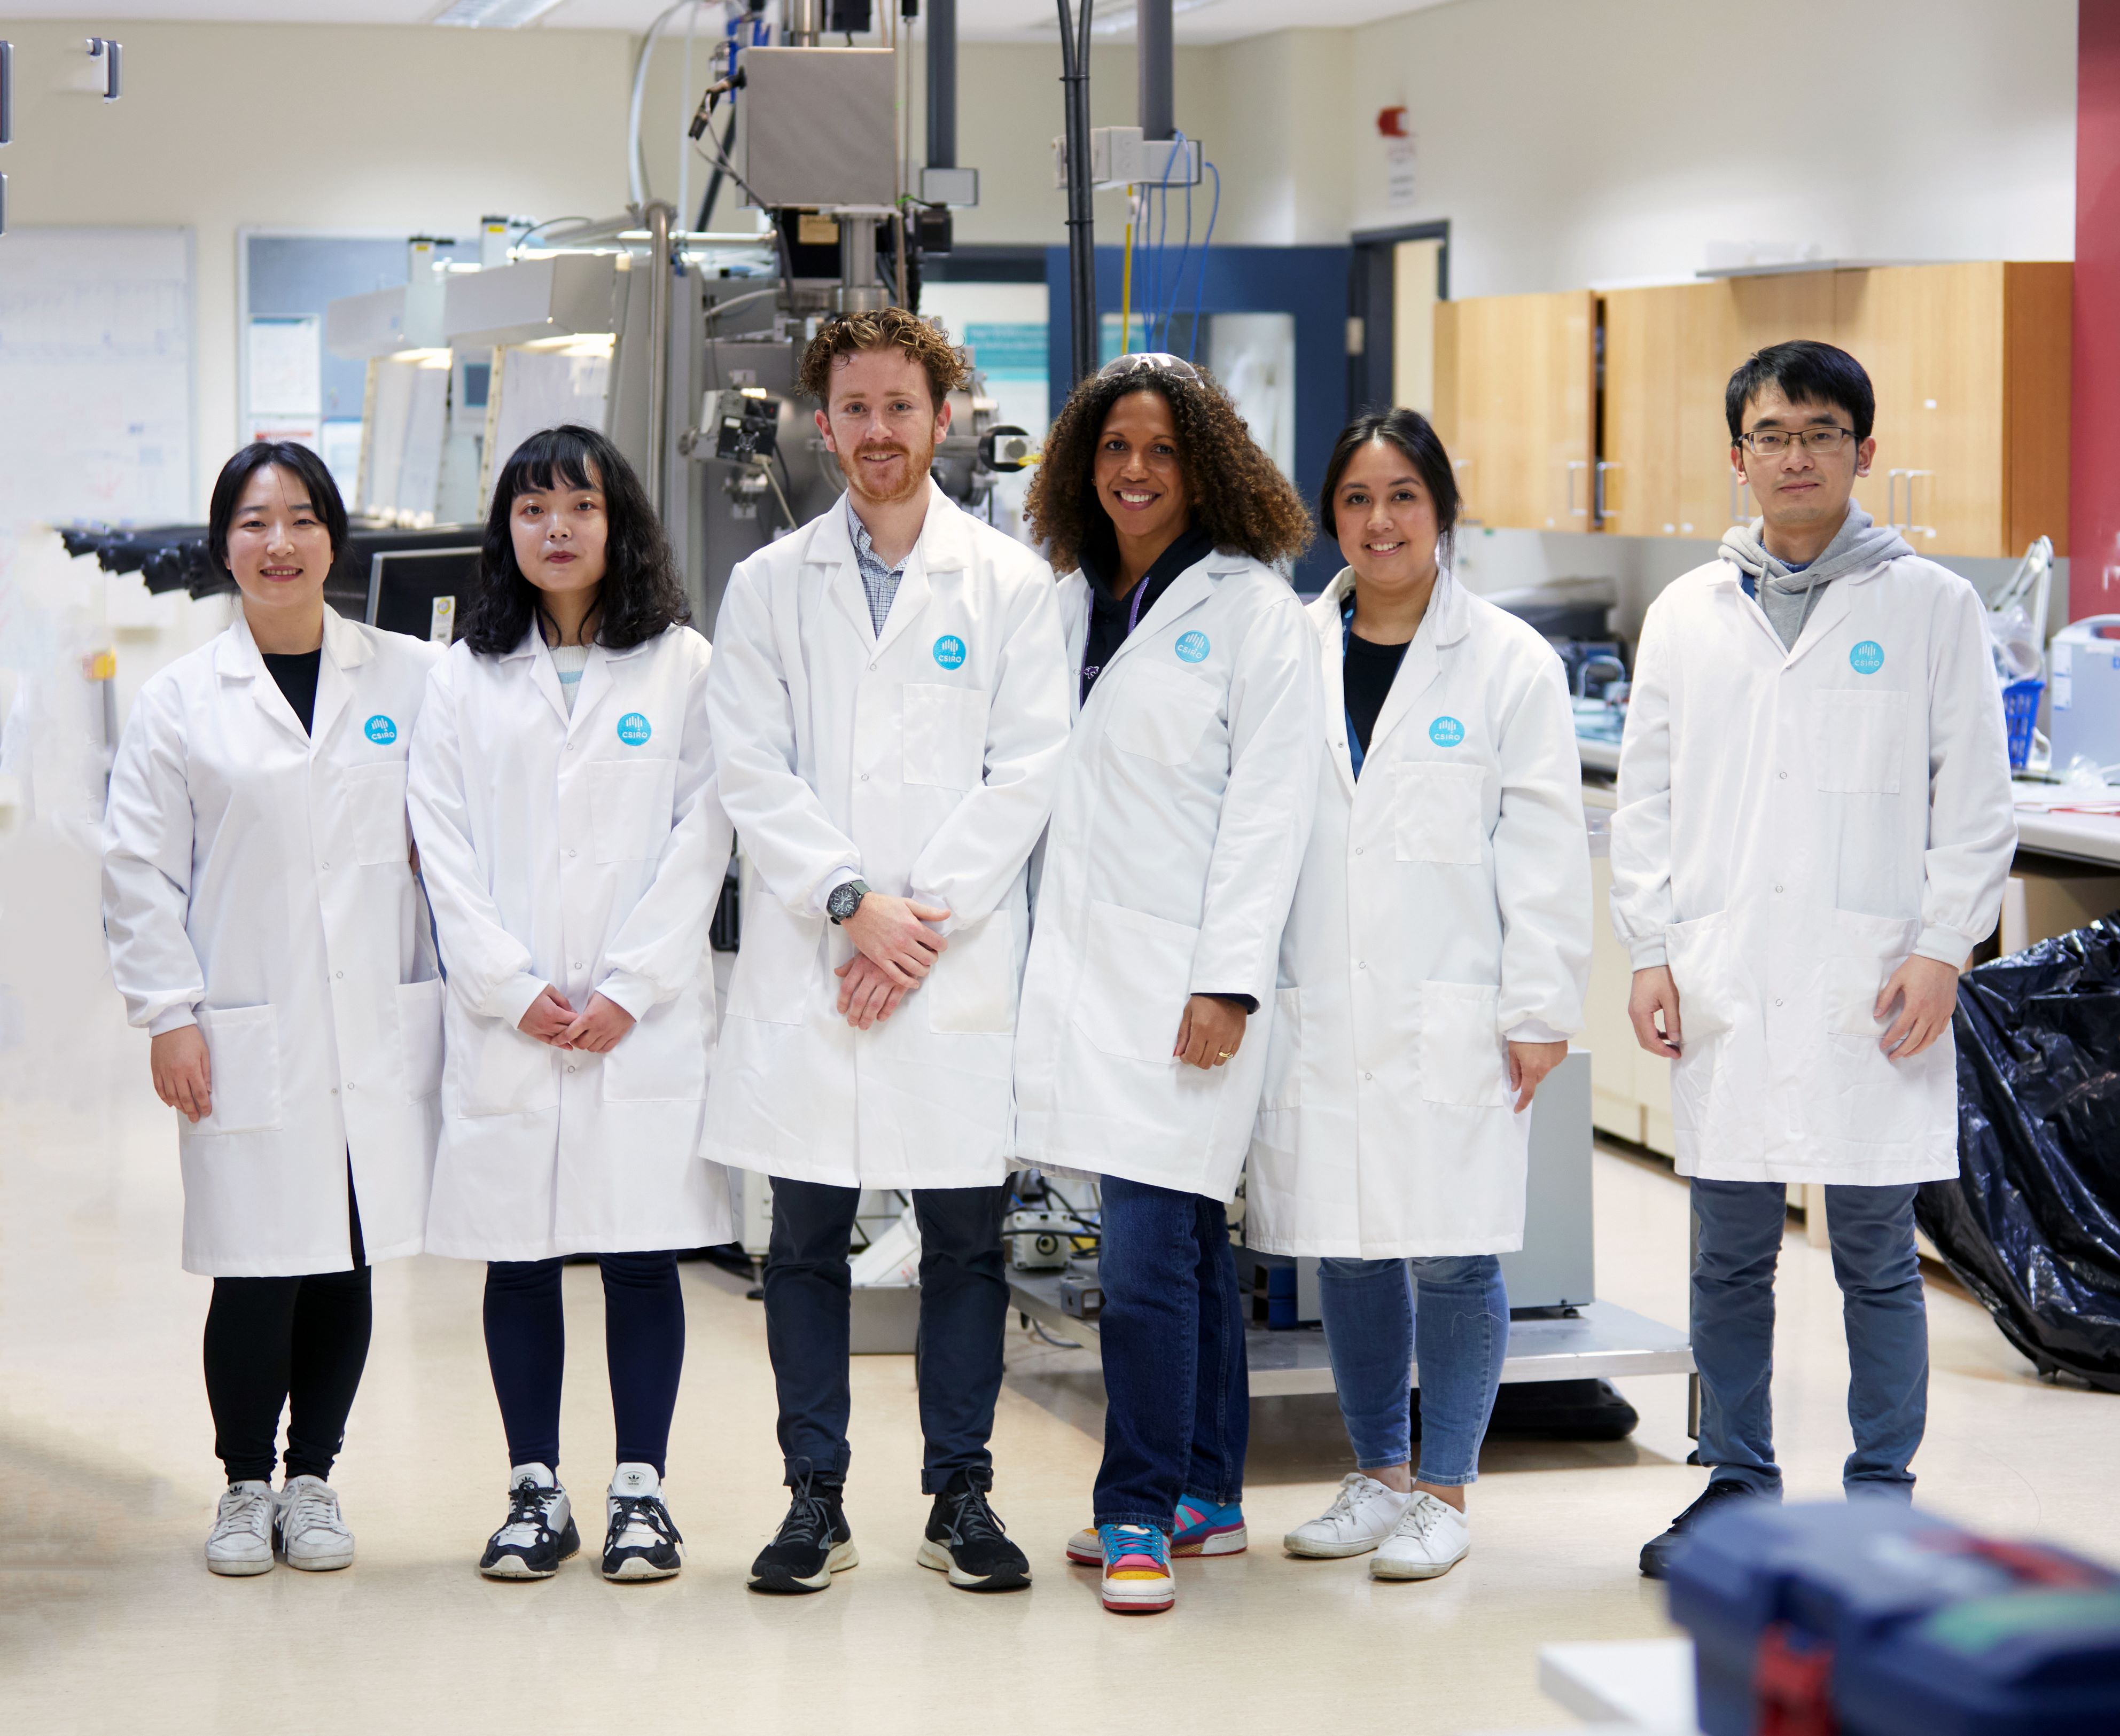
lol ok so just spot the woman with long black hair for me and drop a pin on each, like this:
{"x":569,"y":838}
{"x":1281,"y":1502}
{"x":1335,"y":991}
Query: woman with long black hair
{"x":563,"y":797}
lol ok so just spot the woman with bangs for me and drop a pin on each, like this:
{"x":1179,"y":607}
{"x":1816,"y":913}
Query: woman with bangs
{"x":563,"y":798}
{"x":1167,"y":870}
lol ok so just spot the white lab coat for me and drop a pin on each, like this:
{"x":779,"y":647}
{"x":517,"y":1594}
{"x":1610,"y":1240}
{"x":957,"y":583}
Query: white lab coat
{"x":1167,"y":872}
{"x":256,"y":881}
{"x":1792,"y":825}
{"x":1444,"y":909}
{"x":923,"y":761}
{"x":585,"y":851}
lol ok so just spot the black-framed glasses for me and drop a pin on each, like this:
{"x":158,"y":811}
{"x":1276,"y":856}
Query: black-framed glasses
{"x":1154,"y":361}
{"x":1771,"y":442}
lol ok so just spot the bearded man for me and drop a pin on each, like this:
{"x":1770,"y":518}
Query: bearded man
{"x":890,"y":706}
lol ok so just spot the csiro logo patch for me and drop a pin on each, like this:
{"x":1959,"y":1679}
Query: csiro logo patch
{"x":1446,"y":732}
{"x":381,"y":730}
{"x":1192,"y":648}
{"x":950,"y":652}
{"x":1866,"y":658}
{"x":633,"y":730}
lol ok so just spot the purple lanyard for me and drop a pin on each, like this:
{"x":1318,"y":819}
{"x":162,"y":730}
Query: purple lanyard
{"x":1090,"y":671}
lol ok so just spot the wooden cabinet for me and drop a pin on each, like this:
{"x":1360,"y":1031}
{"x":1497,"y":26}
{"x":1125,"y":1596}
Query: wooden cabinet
{"x":1970,"y":363}
{"x":1515,"y":403}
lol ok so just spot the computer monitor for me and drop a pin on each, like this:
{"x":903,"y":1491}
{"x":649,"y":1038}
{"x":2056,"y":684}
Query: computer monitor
{"x":424,"y":593}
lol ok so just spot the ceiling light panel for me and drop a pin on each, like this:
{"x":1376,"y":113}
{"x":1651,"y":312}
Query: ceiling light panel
{"x":494,"y":15}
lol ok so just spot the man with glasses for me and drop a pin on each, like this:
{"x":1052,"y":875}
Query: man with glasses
{"x":1814,"y":828}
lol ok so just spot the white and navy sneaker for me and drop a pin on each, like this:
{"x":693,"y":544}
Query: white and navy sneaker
{"x":641,"y":1542}
{"x":1362,"y":1515}
{"x":241,"y":1540}
{"x":307,"y":1527}
{"x":540,"y":1533}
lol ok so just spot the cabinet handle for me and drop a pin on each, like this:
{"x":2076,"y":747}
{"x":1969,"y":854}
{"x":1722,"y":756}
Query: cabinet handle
{"x":1574,"y":510}
{"x":1600,"y":511}
{"x":6,"y":93}
{"x":1910,"y":528}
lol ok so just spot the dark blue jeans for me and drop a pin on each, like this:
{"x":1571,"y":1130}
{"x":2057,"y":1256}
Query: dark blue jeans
{"x":1177,"y":1396}
{"x":1872,"y":1232}
{"x":963,"y":1312}
{"x":644,"y":1338}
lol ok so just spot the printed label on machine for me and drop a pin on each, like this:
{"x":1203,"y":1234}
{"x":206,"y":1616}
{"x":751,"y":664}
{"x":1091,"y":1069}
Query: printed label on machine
{"x":441,"y":624}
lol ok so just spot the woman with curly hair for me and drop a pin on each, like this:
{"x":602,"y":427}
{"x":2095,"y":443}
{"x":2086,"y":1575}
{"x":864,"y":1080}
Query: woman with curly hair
{"x":563,"y":799}
{"x":1169,"y":863}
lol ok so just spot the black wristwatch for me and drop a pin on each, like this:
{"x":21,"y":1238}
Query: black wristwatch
{"x":845,"y":900}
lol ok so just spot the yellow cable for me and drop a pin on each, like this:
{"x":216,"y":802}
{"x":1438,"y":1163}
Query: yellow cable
{"x":1125,"y":284}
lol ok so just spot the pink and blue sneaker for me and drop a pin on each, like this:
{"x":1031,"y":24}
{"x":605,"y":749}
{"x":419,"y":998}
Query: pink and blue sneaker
{"x":1199,"y":1527}
{"x":1137,"y":1569}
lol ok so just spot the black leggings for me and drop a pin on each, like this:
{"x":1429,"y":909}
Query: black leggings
{"x":644,"y":1336}
{"x":301,"y":1343}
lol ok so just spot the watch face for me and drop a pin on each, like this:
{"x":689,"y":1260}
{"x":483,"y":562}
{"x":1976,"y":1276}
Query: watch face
{"x":843,"y":901}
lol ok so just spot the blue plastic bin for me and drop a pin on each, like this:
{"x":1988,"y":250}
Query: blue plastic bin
{"x":2020,"y":711}
{"x":1806,"y":1616}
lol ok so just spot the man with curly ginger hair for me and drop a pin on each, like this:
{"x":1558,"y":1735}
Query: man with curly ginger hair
{"x":888,"y":698}
{"x":1148,"y":1003}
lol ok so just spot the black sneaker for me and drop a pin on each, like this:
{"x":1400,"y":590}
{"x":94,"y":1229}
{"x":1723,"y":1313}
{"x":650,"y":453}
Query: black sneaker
{"x":966,"y":1540}
{"x":814,"y":1542}
{"x":641,"y":1542}
{"x":1656,"y":1554}
{"x":540,"y":1533}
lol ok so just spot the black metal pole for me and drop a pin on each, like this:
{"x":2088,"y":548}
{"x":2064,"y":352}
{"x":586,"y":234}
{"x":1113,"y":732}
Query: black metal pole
{"x":1152,"y":35}
{"x":1081,"y":214}
{"x":942,"y":84}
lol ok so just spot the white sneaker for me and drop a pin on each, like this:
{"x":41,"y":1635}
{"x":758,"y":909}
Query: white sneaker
{"x":641,"y":1541}
{"x":241,"y":1541}
{"x":1362,"y":1515}
{"x":308,"y":1528}
{"x":539,"y":1533}
{"x":1431,"y":1539}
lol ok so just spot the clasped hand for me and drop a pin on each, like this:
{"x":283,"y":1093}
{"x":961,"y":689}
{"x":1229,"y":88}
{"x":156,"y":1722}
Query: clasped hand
{"x":895,"y":949}
{"x":596,"y":1030}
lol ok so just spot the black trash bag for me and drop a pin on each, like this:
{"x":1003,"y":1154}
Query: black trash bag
{"x":2032,"y":1224}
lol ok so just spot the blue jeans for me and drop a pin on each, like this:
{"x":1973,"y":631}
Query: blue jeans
{"x":964,"y":1312}
{"x":1460,"y":1332}
{"x":1879,"y":1273}
{"x":1177,"y":1398}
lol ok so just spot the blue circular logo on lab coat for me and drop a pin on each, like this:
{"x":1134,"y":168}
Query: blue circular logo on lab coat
{"x":950,"y":652}
{"x":1866,"y":658}
{"x":1446,"y":732}
{"x":1193,"y":647}
{"x":381,"y":730}
{"x":633,"y":729}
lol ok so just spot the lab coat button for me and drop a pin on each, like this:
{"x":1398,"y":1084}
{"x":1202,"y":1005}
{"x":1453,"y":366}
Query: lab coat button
{"x":570,"y":1066}
{"x":1357,"y":849}
{"x":1776,"y":889}
{"x":1778,"y":1000}
{"x":864,"y":778}
{"x":340,"y":975}
{"x":573,"y":853}
{"x":1369,"y":1075}
{"x":1361,"y":965}
{"x":1783,"y":776}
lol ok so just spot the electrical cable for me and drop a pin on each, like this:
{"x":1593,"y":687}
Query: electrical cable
{"x":1178,"y":277}
{"x":1200,"y":286}
{"x":1059,"y":1344}
{"x":1125,"y":283}
{"x":636,"y":166}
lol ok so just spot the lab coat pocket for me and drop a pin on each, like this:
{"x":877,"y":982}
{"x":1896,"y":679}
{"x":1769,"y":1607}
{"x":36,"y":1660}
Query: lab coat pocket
{"x":945,"y":735}
{"x":491,"y":1068}
{"x":420,"y":1037}
{"x":1136,"y":980}
{"x":1438,"y":813}
{"x":1161,"y":715}
{"x":629,"y":807}
{"x":243,"y":1050}
{"x":1698,"y":953}
{"x":1858,"y":741}
{"x":1866,"y":951}
{"x":1283,"y":1053}
{"x":375,"y":814}
{"x":1463,"y":1057}
{"x":972,"y":986}
{"x":663,"y":1058}
{"x":778,"y":965}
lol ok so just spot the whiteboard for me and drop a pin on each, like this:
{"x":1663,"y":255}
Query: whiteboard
{"x":95,"y":376}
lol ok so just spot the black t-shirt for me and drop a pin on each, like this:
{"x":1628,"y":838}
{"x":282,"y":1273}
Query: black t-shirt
{"x":1366,"y":676}
{"x":1109,"y":614}
{"x":297,"y":676}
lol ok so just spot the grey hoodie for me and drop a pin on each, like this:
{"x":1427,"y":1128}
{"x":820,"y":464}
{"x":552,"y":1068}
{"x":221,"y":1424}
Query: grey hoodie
{"x":1787,"y":597}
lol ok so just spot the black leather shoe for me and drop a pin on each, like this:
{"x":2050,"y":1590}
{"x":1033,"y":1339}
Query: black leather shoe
{"x":966,"y":1540}
{"x":814,"y":1542}
{"x":1656,"y":1554}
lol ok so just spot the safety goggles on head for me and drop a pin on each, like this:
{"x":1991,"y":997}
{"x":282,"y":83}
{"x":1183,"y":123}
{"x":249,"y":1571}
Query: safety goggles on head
{"x":1138,"y":361}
